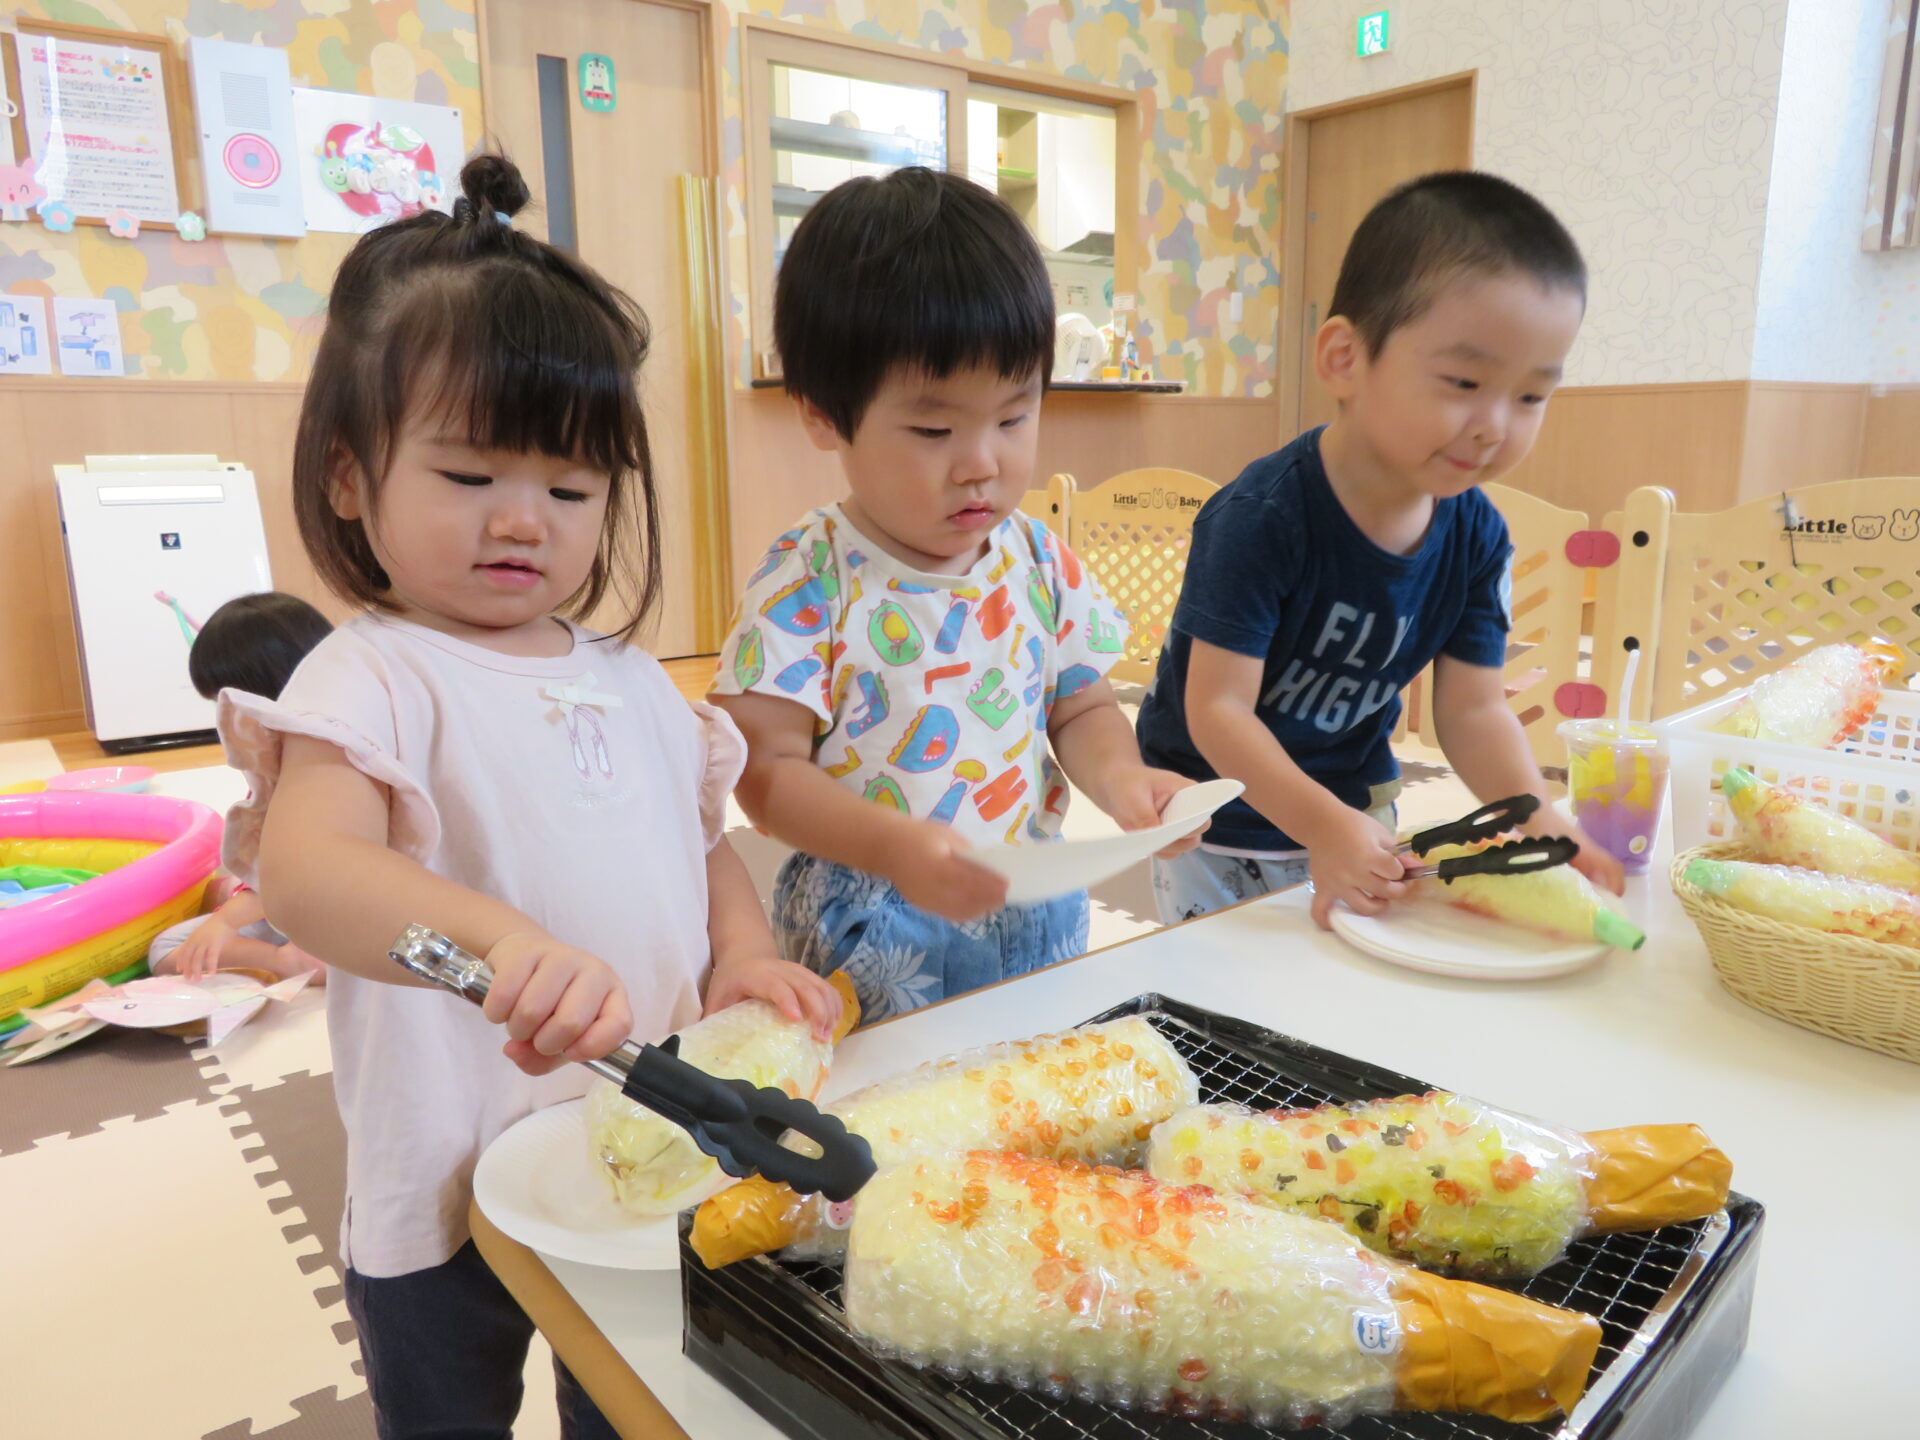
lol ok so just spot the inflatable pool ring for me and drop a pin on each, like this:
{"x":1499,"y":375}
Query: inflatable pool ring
{"x":156,"y":855}
{"x":119,"y":977}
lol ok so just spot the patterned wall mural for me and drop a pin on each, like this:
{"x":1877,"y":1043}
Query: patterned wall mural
{"x":232,"y":308}
{"x":1210,"y":77}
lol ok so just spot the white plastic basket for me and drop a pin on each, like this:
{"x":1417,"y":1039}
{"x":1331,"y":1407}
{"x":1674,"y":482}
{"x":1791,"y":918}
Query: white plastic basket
{"x":1871,"y":776}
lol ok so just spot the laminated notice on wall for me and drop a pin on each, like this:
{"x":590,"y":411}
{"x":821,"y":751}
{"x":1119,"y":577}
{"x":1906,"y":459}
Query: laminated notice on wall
{"x":97,"y":122}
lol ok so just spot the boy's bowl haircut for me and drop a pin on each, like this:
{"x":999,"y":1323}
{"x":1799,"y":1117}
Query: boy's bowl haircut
{"x":918,"y":270}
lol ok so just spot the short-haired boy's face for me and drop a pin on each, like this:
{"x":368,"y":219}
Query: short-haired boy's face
{"x":936,"y":464}
{"x":1455,"y":398}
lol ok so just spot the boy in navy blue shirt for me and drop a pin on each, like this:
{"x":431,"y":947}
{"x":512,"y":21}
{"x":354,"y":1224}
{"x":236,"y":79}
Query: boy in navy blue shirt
{"x":1333,"y":571}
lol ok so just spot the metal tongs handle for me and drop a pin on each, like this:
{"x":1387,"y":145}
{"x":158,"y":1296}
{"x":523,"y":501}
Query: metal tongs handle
{"x":1483,"y":824}
{"x":738,"y":1124}
{"x":1516,"y":857}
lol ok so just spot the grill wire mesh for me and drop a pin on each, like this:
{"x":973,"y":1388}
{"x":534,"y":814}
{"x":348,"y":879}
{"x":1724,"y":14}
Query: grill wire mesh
{"x":1616,"y":1278}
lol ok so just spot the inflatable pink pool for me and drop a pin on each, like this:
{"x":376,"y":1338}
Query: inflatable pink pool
{"x":155,"y":855}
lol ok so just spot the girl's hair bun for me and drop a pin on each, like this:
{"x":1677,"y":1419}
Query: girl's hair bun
{"x":493,"y":185}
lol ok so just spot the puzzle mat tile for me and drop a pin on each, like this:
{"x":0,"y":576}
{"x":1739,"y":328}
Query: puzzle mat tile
{"x":325,"y":1415}
{"x":157,"y":1239}
{"x":114,"y":1074}
{"x":217,"y":786}
{"x":283,"y":1039}
{"x":24,"y":760}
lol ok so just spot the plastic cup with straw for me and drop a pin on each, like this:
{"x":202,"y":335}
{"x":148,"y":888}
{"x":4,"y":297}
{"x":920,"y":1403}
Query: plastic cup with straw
{"x":1617,"y":779}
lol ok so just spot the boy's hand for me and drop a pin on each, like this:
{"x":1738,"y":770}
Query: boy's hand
{"x":932,"y":870}
{"x":558,"y":1003}
{"x":198,"y":955}
{"x":1137,"y":797}
{"x":795,"y":991}
{"x":1352,"y":861}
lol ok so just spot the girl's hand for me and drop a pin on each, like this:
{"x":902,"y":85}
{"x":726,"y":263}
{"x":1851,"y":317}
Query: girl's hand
{"x":795,"y":991}
{"x":198,"y":956}
{"x":558,"y":1003}
{"x":1137,"y":797}
{"x":933,"y":872}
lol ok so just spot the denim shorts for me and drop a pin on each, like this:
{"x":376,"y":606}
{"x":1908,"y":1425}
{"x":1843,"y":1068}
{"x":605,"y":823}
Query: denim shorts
{"x":898,"y":957}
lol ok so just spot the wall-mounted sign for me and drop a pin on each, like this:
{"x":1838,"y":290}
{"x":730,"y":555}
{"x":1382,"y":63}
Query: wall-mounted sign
{"x":1370,"y":35}
{"x":596,"y":82}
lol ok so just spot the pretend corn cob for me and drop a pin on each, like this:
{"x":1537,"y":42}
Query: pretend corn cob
{"x":1556,"y":901}
{"x":1444,"y":1182}
{"x":1819,"y":699}
{"x":1116,"y":1287}
{"x":651,"y":1164}
{"x":1091,"y":1094}
{"x":1782,"y":829}
{"x":1806,"y":897}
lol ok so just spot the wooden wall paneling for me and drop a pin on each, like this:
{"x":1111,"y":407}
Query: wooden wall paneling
{"x":36,"y":649}
{"x":778,"y":476}
{"x":1890,"y":444}
{"x":264,"y":421}
{"x":1602,"y":442}
{"x":1798,"y":435}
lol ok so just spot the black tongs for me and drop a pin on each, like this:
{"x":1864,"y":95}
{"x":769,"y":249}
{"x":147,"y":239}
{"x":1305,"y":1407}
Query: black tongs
{"x":1516,"y":857}
{"x":738,"y":1124}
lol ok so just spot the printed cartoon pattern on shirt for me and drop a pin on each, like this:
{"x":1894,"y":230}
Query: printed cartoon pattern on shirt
{"x":929,"y":693}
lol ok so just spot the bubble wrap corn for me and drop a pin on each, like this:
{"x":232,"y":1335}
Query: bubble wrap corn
{"x":652,"y":1165}
{"x":1091,"y":1094}
{"x":1116,"y":1287}
{"x":1782,"y":829}
{"x":1445,"y":1182}
{"x":1806,"y":897}
{"x":1557,"y":901}
{"x":1817,"y":700}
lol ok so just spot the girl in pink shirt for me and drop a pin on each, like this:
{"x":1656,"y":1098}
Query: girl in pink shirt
{"x":472,"y":467}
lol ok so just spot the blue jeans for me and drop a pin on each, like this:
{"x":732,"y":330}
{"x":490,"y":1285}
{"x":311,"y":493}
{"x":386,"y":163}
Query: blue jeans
{"x":444,"y":1349}
{"x":828,"y":917}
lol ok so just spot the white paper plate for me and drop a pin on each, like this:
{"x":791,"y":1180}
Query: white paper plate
{"x":1443,"y":940}
{"x":536,"y":1183}
{"x":1040,"y":872}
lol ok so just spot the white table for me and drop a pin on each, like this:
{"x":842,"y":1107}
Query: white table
{"x":1825,"y":1136}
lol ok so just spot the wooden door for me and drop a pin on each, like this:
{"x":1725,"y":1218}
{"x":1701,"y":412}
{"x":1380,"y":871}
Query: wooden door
{"x":1352,"y":156}
{"x":607,"y":185}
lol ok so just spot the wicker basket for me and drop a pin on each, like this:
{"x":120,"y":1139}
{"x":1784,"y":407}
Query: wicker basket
{"x":1864,"y":992}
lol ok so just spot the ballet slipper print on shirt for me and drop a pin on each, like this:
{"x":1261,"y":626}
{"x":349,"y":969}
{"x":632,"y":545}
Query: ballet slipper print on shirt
{"x":577,"y":701}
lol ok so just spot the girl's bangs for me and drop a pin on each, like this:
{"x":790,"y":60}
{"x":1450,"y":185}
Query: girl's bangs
{"x":526,"y":366}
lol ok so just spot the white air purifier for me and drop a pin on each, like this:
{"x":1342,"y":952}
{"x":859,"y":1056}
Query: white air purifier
{"x":154,"y":544}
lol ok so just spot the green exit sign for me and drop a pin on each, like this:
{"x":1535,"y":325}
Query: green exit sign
{"x":1370,"y":35}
